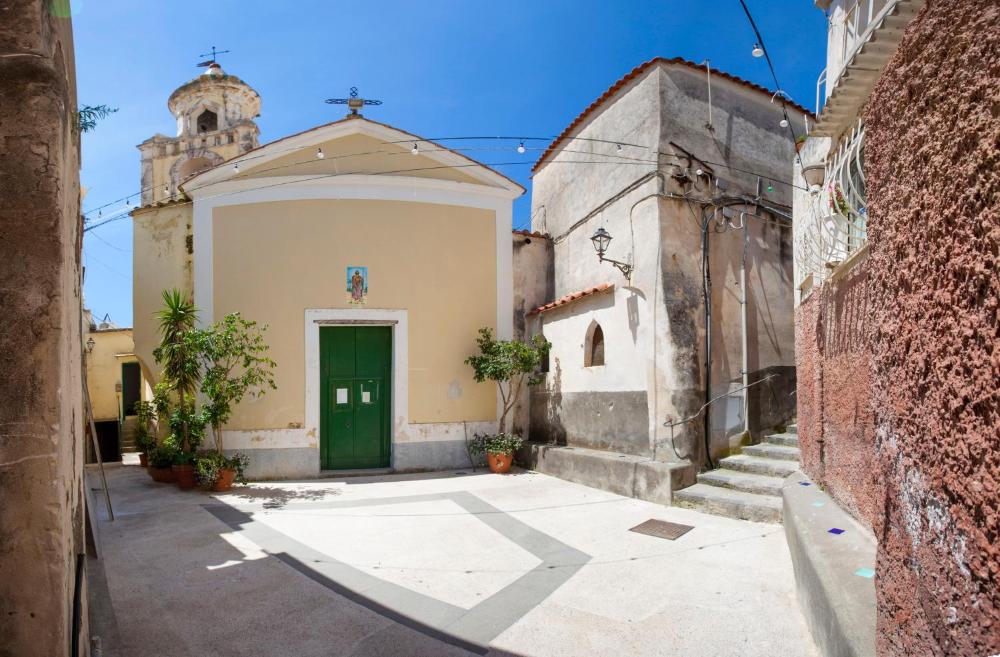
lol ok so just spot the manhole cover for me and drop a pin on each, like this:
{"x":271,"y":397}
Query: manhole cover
{"x":662,"y":529}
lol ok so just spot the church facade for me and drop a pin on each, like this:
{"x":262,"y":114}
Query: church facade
{"x":334,"y":239}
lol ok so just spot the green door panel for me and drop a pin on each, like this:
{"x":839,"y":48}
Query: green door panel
{"x":355,"y":404}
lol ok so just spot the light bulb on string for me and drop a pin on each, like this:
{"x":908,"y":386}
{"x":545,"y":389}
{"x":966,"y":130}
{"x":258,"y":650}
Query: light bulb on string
{"x":618,"y":147}
{"x":757,"y":50}
{"x":415,"y":150}
{"x":319,"y":154}
{"x":236,"y":167}
{"x":520,"y":147}
{"x":783,"y":123}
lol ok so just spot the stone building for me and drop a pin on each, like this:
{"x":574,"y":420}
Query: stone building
{"x":671,"y":159}
{"x":372,"y":255}
{"x":896,"y":324}
{"x":43,"y":584}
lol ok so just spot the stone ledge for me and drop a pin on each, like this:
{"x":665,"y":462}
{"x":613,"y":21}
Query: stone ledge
{"x":623,"y":474}
{"x":838,"y":604}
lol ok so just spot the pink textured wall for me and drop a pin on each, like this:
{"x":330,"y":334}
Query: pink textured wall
{"x":933,"y":172}
{"x":899,"y":362}
{"x":834,"y":393}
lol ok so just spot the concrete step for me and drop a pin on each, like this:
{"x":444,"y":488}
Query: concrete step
{"x":792,"y":428}
{"x":624,"y":474}
{"x":743,"y":481}
{"x":770,"y":451}
{"x":787,"y":439}
{"x":730,"y":503}
{"x":757,"y":465}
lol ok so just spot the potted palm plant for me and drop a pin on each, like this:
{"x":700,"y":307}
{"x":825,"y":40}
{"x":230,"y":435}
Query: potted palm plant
{"x":511,"y":365}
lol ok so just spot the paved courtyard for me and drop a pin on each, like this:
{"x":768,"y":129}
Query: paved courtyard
{"x":453,"y":563}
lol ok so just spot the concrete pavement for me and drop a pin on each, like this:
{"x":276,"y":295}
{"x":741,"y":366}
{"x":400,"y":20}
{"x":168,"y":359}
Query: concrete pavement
{"x":450,"y":563}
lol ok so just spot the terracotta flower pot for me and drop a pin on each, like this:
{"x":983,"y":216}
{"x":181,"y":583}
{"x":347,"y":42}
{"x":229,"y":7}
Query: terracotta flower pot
{"x":499,"y":463}
{"x":143,"y":459}
{"x":225,"y":480}
{"x":184,"y":475}
{"x":162,"y":475}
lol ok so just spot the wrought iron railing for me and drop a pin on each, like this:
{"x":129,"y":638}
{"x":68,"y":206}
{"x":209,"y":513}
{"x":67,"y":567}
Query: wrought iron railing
{"x":846,"y":36}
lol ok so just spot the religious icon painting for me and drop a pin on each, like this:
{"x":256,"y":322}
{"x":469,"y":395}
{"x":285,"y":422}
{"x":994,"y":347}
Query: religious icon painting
{"x":357,"y":285}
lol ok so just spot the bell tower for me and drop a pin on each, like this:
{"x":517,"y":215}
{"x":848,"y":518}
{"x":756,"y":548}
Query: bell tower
{"x":215,"y":115}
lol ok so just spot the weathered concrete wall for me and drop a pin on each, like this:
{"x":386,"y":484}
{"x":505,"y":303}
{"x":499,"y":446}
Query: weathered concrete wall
{"x":162,"y":253}
{"x":933,"y":130}
{"x":533,"y":286}
{"x":41,"y":455}
{"x":659,"y":313}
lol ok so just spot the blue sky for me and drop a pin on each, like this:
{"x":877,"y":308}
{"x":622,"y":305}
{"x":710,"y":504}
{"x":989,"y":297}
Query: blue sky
{"x":442,"y":68}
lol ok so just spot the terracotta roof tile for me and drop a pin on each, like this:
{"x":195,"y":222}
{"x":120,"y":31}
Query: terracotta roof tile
{"x":530,"y":233}
{"x":572,"y":297}
{"x":634,"y":73}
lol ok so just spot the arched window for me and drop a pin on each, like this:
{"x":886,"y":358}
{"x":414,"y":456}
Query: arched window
{"x":593,"y":355}
{"x":208,"y":121}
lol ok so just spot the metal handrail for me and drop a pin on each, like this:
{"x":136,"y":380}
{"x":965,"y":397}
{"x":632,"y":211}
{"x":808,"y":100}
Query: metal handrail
{"x":690,"y":418}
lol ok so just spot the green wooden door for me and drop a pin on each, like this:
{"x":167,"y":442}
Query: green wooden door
{"x":355,"y":381}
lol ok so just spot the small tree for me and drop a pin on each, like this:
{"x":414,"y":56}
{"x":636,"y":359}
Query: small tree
{"x":510,"y":364}
{"x":178,"y":354}
{"x":234,"y":354}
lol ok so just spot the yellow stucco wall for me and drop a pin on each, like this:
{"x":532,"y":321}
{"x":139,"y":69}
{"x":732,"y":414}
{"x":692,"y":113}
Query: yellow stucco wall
{"x":356,"y":154}
{"x":274,"y":260}
{"x":160,"y":262}
{"x":104,"y":370}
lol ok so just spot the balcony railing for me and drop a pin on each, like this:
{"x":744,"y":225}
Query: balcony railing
{"x":835,"y":223}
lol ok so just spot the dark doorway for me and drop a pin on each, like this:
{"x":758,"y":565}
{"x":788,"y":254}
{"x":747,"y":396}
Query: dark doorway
{"x":131,"y":382}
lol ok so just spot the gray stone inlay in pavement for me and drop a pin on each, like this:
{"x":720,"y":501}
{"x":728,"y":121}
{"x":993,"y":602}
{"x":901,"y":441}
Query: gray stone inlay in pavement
{"x":470,"y":629}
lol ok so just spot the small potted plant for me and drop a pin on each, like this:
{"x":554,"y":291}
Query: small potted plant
{"x":800,"y":141}
{"x":511,"y":364}
{"x":217,"y":472}
{"x":498,"y":448}
{"x":161,"y":460}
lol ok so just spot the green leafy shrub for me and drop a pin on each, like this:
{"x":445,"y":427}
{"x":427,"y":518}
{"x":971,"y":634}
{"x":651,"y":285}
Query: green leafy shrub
{"x":209,"y":466}
{"x":510,"y":364}
{"x":145,"y":439}
{"x":497,"y":444}
{"x":162,"y":456}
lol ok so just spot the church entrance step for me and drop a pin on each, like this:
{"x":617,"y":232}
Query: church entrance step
{"x":742,"y":481}
{"x":757,"y":465}
{"x":788,"y":439}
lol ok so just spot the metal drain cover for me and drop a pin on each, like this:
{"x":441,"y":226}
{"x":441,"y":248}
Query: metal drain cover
{"x":662,"y":529}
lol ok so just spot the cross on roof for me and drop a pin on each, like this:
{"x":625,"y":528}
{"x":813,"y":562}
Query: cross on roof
{"x":354,"y":103}
{"x":213,"y":55}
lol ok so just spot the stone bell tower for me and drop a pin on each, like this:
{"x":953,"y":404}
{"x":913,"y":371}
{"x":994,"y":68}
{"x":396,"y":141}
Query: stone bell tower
{"x":215,"y":115}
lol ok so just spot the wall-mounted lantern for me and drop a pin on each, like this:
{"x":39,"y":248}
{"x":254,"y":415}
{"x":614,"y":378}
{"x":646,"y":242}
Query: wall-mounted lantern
{"x":90,"y":345}
{"x":601,"y":239}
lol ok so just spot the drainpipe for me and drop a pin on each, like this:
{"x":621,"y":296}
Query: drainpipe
{"x":707,"y":292}
{"x":743,"y":328}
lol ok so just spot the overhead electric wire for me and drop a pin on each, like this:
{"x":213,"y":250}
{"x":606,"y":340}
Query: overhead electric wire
{"x":615,"y":156}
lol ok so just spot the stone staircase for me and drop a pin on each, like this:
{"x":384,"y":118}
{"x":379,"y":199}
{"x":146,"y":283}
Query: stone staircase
{"x":127,"y":436}
{"x":747,"y":485}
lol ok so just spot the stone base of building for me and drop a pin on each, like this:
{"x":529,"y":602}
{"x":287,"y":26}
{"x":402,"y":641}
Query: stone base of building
{"x":623,"y":474}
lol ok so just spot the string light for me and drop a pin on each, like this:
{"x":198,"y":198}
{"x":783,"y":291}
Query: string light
{"x":783,"y":123}
{"x":236,"y":167}
{"x":757,"y":50}
{"x":618,"y":147}
{"x":520,"y":147}
{"x":319,"y":153}
{"x":415,"y":150}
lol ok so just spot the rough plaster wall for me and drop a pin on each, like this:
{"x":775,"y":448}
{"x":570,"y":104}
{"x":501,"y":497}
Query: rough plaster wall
{"x":533,"y":286}
{"x":933,"y":131}
{"x":40,"y":387}
{"x":835,"y":414}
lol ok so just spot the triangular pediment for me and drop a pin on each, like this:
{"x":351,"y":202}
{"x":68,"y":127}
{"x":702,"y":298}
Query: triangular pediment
{"x":353,"y":147}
